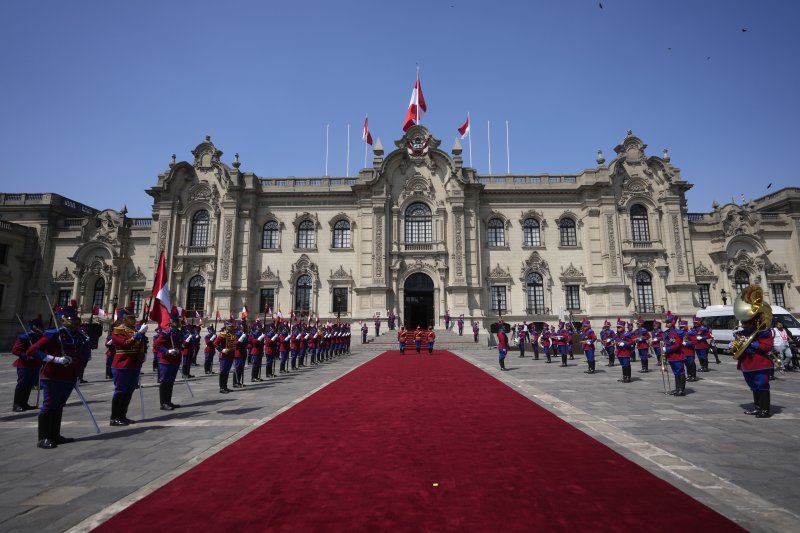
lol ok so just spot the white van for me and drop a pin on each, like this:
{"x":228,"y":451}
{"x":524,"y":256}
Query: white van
{"x":720,"y":320}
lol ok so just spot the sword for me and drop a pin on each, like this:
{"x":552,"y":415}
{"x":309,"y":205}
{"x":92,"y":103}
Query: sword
{"x":77,"y":389}
{"x":186,"y":381}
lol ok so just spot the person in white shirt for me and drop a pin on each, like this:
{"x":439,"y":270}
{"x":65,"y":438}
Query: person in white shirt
{"x":780,"y":342}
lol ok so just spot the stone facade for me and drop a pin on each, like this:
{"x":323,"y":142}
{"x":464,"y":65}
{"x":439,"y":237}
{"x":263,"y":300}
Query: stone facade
{"x":415,"y":231}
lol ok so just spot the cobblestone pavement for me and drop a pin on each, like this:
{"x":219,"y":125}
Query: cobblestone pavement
{"x":702,"y":443}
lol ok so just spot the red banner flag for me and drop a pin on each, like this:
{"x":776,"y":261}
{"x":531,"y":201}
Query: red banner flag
{"x":417,"y":106}
{"x":160,"y":311}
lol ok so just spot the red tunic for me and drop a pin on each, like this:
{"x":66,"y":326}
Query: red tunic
{"x":756,"y":355}
{"x":20,"y":349}
{"x":128,"y":350}
{"x":76,"y":345}
{"x":166,"y":342}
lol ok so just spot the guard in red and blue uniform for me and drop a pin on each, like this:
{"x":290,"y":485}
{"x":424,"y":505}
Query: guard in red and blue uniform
{"x":189,"y":338}
{"x":377,"y":325}
{"x":313,"y":343}
{"x":588,"y":338}
{"x":169,"y":345}
{"x":460,"y":325}
{"x":755,"y":364}
{"x":560,"y":342}
{"x":534,"y":338}
{"x":240,"y":356}
{"x":522,"y":338}
{"x":419,"y":335}
{"x":673,"y":351}
{"x":475,"y":328}
{"x":129,"y":344}
{"x":624,"y":341}
{"x":27,"y":367}
{"x":608,"y":339}
{"x":364,"y":331}
{"x":294,"y":346}
{"x":257,"y":338}
{"x":544,"y":338}
{"x":431,"y":338}
{"x":447,"y":320}
{"x":61,"y":352}
{"x":701,"y":336}
{"x":225,"y":343}
{"x":570,"y":337}
{"x":502,"y":344}
{"x":401,"y":339}
{"x":283,"y":348}
{"x":109,"y":355}
{"x":303,"y":346}
{"x":688,"y":350}
{"x":657,"y":339}
{"x":208,"y":351}
{"x":642,"y":338}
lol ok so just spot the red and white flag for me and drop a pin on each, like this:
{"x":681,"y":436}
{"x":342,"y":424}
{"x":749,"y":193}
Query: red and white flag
{"x":160,"y":294}
{"x":366,"y":136}
{"x":244,"y":312}
{"x":464,"y":130}
{"x":417,"y":107}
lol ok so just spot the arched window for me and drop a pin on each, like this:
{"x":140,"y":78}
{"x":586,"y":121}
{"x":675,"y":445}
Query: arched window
{"x":567,"y":230}
{"x":534,"y":286}
{"x":302,"y":295}
{"x":496,"y":235}
{"x":531,"y":233}
{"x":200,"y":222}
{"x":341,"y":234}
{"x":196,"y":296}
{"x":305,"y":235}
{"x":99,"y":292}
{"x":741,"y":280}
{"x":269,"y":239}
{"x":418,"y":223}
{"x":640,"y":230}
{"x":644,"y":292}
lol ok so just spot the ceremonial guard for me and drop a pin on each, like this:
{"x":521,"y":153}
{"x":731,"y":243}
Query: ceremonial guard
{"x":27,"y":367}
{"x":642,"y":338}
{"x":169,"y":346}
{"x":752,"y":346}
{"x":257,"y":338}
{"x":197,"y":330}
{"x":188,"y":351}
{"x":625,"y":345}
{"x":240,"y":355}
{"x":391,"y":319}
{"x":544,"y":339}
{"x":588,"y":339}
{"x":522,"y":338}
{"x":271,"y":348}
{"x":208,"y":351}
{"x":377,"y":325}
{"x":294,"y":346}
{"x":401,"y":339}
{"x":419,"y":336}
{"x":700,"y":336}
{"x":283,"y":348}
{"x":560,"y":342}
{"x":447,"y":320}
{"x":534,"y":336}
{"x":225,"y":344}
{"x":431,"y":338}
{"x":312,"y":341}
{"x":303,"y":343}
{"x":109,"y":354}
{"x":460,"y":325}
{"x":570,"y":337}
{"x":608,"y":340}
{"x":502,"y":344}
{"x":673,"y":351}
{"x":657,"y":340}
{"x":129,"y":351}
{"x":61,"y":352}
{"x":688,"y":350}
{"x":476,"y":327}
{"x":158,"y":332}
{"x":348,"y":336}
{"x":364,"y":331}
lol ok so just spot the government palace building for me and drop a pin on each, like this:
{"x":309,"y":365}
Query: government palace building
{"x":417,"y":233}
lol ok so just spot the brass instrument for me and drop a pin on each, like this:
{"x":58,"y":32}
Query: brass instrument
{"x":749,"y":305}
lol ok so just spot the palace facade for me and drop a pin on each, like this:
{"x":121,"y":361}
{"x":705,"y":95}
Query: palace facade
{"x":417,"y":232}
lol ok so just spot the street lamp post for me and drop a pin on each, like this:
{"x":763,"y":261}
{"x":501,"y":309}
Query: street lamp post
{"x":724,"y":297}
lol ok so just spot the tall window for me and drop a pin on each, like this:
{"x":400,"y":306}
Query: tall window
{"x":136,"y":298}
{"x":499,"y":298}
{"x":63,"y":297}
{"x":267,"y":298}
{"x":741,"y":280}
{"x":200,"y":222}
{"x":644,"y":292}
{"x":496,"y":234}
{"x":196,"y":296}
{"x":535,"y":289}
{"x":567,"y":231}
{"x":305,"y":234}
{"x":639,"y":227}
{"x":3,"y":253}
{"x":302,"y":295}
{"x":573,"y":296}
{"x":99,"y":292}
{"x":704,"y":291}
{"x":777,"y":294}
{"x":530,"y":232}
{"x":269,"y":239}
{"x":418,"y":223}
{"x":340,"y":300}
{"x":341,"y":234}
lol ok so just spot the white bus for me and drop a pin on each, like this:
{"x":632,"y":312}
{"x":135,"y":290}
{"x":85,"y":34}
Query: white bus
{"x":720,"y":320}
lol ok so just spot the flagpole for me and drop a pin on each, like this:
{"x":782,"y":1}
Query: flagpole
{"x":327,"y":130}
{"x":416,"y":95}
{"x":347,"y":174}
{"x":469,"y":135}
{"x":489,"y":138}
{"x":508,"y":153}
{"x":366,"y":122}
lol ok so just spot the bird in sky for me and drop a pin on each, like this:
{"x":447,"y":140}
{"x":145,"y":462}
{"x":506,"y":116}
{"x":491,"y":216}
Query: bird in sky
{"x":600,"y":4}
{"x":744,"y":30}
{"x":770,"y":185}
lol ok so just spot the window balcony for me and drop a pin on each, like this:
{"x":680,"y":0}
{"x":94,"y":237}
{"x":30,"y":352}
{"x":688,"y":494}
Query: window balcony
{"x":418,"y":247}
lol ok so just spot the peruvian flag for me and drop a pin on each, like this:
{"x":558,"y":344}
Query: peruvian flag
{"x":161,"y":304}
{"x":366,"y":136}
{"x":244,"y":312}
{"x":464,"y":130}
{"x":417,"y":107}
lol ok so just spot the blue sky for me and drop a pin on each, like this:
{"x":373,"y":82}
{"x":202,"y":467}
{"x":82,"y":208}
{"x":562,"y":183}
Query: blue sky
{"x":96,"y":96}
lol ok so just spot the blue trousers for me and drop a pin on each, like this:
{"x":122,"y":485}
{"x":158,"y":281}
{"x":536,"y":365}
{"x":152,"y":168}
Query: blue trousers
{"x":26,"y":376}
{"x":757,"y":380}
{"x":125,"y":379}
{"x":589,"y":353}
{"x":239,"y":363}
{"x":702,"y":353}
{"x":225,"y":365}
{"x":501,"y":353}
{"x":643,"y":353}
{"x":54,"y":395}
{"x":677,"y":367}
{"x":624,"y":361}
{"x":167,"y":373}
{"x":402,"y":347}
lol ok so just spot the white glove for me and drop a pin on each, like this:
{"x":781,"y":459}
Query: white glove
{"x":143,"y":329}
{"x":700,"y":337}
{"x":109,"y":342}
{"x":212,"y":338}
{"x":65,"y":360}
{"x":226,"y":351}
{"x":261,"y":337}
{"x":685,"y":343}
{"x":243,"y":337}
{"x":188,"y":338}
{"x":306,"y":337}
{"x":274,"y":338}
{"x":172,"y":351}
{"x":621,"y":344}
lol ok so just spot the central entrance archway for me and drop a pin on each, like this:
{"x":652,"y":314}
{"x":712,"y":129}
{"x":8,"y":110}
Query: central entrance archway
{"x":418,"y":301}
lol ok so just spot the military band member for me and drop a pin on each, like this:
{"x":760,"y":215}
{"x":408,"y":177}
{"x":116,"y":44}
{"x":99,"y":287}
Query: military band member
{"x":271,"y":349}
{"x":109,"y":354}
{"x":197,"y":331}
{"x":283,"y":348}
{"x":460,"y":325}
{"x":225,"y":344}
{"x":588,"y":339}
{"x":208,"y":351}
{"x":27,"y":367}
{"x":475,"y":329}
{"x":534,"y":339}
{"x":701,"y":336}
{"x":401,"y":339}
{"x":673,"y":351}
{"x":312,"y":342}
{"x":642,"y":338}
{"x":303,"y":343}
{"x":169,"y":347}
{"x":755,"y":364}
{"x":502,"y":344}
{"x":624,"y":340}
{"x":657,"y":339}
{"x":129,"y":352}
{"x":608,"y":339}
{"x":256,"y":339}
{"x":419,"y":336}
{"x":688,"y":350}
{"x":188,"y":350}
{"x":431,"y":338}
{"x":240,"y":355}
{"x":522,"y":338}
{"x":570,"y":336}
{"x":560,"y":342}
{"x":61,"y":352}
{"x":544,"y":340}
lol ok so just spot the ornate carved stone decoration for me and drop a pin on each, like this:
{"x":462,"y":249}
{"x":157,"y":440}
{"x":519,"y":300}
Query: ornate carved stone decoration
{"x":417,"y":185}
{"x":743,"y":260}
{"x":572,"y":273}
{"x":226,"y":252}
{"x":612,"y":244}
{"x":304,"y":265}
{"x":459,"y":247}
{"x":206,"y":155}
{"x":534,"y":263}
{"x":777,"y":273}
{"x":676,"y":238}
{"x":635,"y":188}
{"x":703,"y":273}
{"x":737,"y":222}
{"x":497,"y":274}
{"x":341,"y":274}
{"x":104,"y":227}
{"x":418,"y":143}
{"x":300,"y":217}
{"x":531,"y":213}
{"x":631,"y":150}
{"x":64,"y":276}
{"x":378,"y":246}
{"x":268,"y":275}
{"x":137,"y":275}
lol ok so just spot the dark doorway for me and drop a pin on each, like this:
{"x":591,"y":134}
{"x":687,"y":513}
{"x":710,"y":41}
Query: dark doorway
{"x":418,"y":301}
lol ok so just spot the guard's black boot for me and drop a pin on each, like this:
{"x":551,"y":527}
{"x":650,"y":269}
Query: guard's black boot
{"x":564,"y":360}
{"x":571,"y":356}
{"x":169,"y":398}
{"x":756,"y":402}
{"x":45,"y":425}
{"x":716,"y":357}
{"x":109,"y":375}
{"x":126,"y":402}
{"x":55,"y":431}
{"x":645,"y":365}
{"x":681,"y":386}
{"x":163,"y":397}
{"x":115,"y":421}
{"x":18,"y":402}
{"x":611,"y":360}
{"x":502,"y":364}
{"x":547,"y":354}
{"x":223,"y":383}
{"x":253,"y":375}
{"x":294,"y":364}
{"x":536,"y":355}
{"x":764,"y":405}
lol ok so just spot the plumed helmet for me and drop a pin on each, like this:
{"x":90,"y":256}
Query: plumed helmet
{"x":585,"y":323}
{"x":606,"y":324}
{"x":69,"y":312}
{"x":696,"y":319}
{"x":36,"y":322}
{"x":128,"y":310}
{"x":656,"y":324}
{"x":670,"y":318}
{"x":639,"y":320}
{"x":682,"y":323}
{"x":620,"y":323}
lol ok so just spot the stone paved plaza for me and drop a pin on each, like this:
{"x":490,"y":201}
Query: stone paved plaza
{"x":743,"y":467}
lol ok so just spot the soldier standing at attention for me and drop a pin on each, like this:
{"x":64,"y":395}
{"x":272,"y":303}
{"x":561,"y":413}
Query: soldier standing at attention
{"x":208,"y":351}
{"x":27,"y":367}
{"x":431,"y":338}
{"x":522,"y":335}
{"x":560,"y":342}
{"x":109,"y":353}
{"x":377,"y":325}
{"x":534,"y":334}
{"x":608,"y":340}
{"x":502,"y":344}
{"x":61,"y":352}
{"x":419,"y":335}
{"x":588,"y":339}
{"x":755,"y":364}
{"x":673,"y":351}
{"x":642,"y":337}
{"x":687,"y":339}
{"x":401,"y":339}
{"x":544,"y":338}
{"x":129,"y":351}
{"x":169,"y":345}
{"x":475,"y":329}
{"x":624,"y":349}
{"x":256,"y":352}
{"x":656,"y":339}
{"x":187,"y":351}
{"x":460,"y":325}
{"x":391,"y":318}
{"x":700,"y":335}
{"x":225,"y":344}
{"x":364,"y":331}
{"x":447,"y":320}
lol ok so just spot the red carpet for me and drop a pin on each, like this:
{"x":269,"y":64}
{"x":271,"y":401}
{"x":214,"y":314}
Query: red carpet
{"x":364,"y":453}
